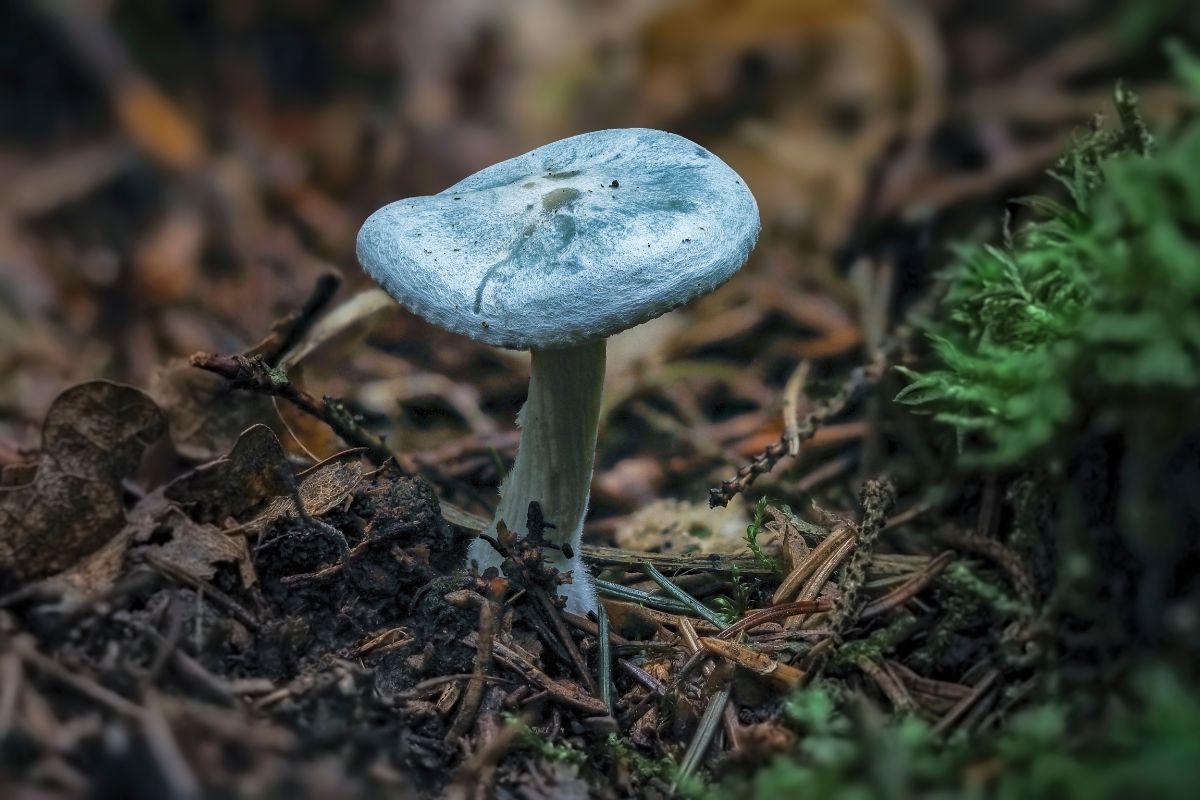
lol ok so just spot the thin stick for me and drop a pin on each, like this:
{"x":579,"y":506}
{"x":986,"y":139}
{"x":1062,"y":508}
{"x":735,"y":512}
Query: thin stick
{"x":564,"y":635}
{"x":24,"y":648}
{"x":859,"y":379}
{"x":793,"y":398}
{"x":815,"y":558}
{"x":526,"y":668}
{"x":909,"y":589}
{"x":697,"y":608}
{"x":894,"y":690}
{"x":604,"y":667}
{"x":702,"y":740}
{"x":764,"y":615}
{"x":488,"y":620}
{"x":163,"y":747}
{"x":952,"y":717}
{"x":256,"y":375}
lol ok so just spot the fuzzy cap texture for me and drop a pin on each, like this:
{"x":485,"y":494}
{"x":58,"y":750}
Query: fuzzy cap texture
{"x":571,"y":242}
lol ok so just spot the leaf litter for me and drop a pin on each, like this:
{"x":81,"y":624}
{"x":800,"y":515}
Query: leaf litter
{"x":226,"y":613}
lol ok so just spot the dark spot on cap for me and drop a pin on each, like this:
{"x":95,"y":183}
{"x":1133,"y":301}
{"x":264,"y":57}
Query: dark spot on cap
{"x":615,"y":185}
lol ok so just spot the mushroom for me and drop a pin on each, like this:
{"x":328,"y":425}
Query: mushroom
{"x":553,"y":252}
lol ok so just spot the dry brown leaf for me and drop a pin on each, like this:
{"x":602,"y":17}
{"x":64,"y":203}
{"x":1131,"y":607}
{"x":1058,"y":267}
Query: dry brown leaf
{"x":253,"y":472}
{"x":162,"y":528}
{"x":322,"y":487}
{"x":205,"y":416}
{"x":176,"y":522}
{"x":93,"y":438}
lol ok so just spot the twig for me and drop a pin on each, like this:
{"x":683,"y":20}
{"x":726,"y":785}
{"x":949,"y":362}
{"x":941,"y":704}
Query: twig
{"x":527,"y":669}
{"x":11,"y":678}
{"x":703,"y":737}
{"x":287,"y":332}
{"x":24,"y":648}
{"x":817,"y":556}
{"x":858,"y":379}
{"x":232,"y":726}
{"x":1006,"y":558}
{"x":592,"y":629}
{"x":167,"y":643}
{"x":825,"y":569}
{"x":637,"y":712}
{"x":748,"y":658}
{"x":764,"y":615}
{"x":632,"y":560}
{"x":894,"y":690}
{"x":793,"y":398}
{"x":928,"y":686}
{"x":163,"y":747}
{"x":426,"y":686}
{"x":475,"y":777}
{"x":909,"y":589}
{"x":568,"y":642}
{"x":642,"y":678}
{"x":255,"y":374}
{"x":952,"y":717}
{"x":218,"y":688}
{"x":629,"y":594}
{"x":489,"y":620}
{"x":173,"y":572}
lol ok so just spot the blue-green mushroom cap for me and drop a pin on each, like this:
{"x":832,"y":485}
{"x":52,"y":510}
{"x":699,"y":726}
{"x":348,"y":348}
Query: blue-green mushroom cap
{"x":571,"y":242}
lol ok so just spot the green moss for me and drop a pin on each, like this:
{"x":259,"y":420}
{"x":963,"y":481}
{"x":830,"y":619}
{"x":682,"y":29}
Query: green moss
{"x":1086,"y":312}
{"x":1147,"y":746}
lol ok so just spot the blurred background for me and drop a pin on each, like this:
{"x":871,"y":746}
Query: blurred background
{"x":176,"y":176}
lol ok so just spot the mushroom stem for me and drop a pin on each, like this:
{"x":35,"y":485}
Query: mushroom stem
{"x":554,"y":461}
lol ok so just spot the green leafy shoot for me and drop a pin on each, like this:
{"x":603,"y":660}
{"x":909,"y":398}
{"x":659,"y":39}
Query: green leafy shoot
{"x":733,"y":607}
{"x":753,"y":530}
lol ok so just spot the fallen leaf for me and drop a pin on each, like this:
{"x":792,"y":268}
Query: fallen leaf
{"x":162,"y":528}
{"x":252,"y":473}
{"x":322,"y":487}
{"x":206,"y":417}
{"x":93,"y":437}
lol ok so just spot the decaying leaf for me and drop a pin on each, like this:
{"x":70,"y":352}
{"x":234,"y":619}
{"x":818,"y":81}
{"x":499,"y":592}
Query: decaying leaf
{"x":321,"y":487}
{"x":159,"y":527}
{"x":93,"y":437}
{"x":253,"y":471}
{"x":180,"y":522}
{"x":181,"y":526}
{"x":206,"y":417}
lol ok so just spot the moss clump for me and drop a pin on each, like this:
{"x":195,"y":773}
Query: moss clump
{"x":1085,"y":315}
{"x":1149,"y":749}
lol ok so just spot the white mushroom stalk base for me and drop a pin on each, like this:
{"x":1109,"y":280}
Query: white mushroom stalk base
{"x":554,"y":461}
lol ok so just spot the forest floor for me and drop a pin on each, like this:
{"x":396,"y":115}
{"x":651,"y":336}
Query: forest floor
{"x":237,"y":484}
